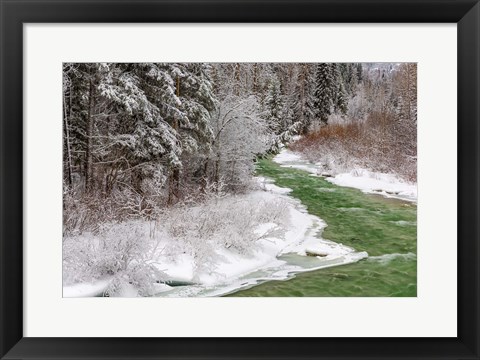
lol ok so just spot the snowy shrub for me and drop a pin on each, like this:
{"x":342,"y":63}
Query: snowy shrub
{"x":88,"y":212}
{"x":226,"y":223}
{"x":120,"y":251}
{"x":372,"y":144}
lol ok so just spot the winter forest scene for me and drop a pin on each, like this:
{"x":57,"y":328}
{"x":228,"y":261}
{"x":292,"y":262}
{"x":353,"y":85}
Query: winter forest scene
{"x":239,"y":179}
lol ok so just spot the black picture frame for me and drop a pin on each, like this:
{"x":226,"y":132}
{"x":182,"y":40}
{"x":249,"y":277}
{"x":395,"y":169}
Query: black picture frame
{"x":14,"y":13}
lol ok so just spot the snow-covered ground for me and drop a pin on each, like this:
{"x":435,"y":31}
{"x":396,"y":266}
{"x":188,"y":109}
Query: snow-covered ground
{"x":275,"y":255}
{"x":377,"y":183}
{"x":368,"y":181}
{"x":96,"y":288}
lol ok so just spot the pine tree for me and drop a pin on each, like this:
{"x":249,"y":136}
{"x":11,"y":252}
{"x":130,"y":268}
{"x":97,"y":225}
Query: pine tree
{"x":274,"y":105}
{"x":303,"y":110}
{"x":195,"y":91}
{"x":144,"y":96}
{"x":353,"y":81}
{"x":359,"y":69}
{"x":339,"y":94}
{"x":341,"y":101}
{"x":324,"y":91}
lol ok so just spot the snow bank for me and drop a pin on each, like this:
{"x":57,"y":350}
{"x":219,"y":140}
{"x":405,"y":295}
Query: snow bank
{"x":96,"y":288}
{"x":100,"y":287}
{"x":376,"y":183}
{"x":285,"y":156}
{"x":278,"y":257}
{"x":289,"y":159}
{"x":371,"y":182}
{"x":192,"y":246}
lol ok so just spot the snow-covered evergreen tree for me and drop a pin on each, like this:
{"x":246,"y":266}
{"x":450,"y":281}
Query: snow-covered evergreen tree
{"x":359,"y":68}
{"x":304,"y":111}
{"x":324,"y":92}
{"x":145,"y":97}
{"x":195,"y":91}
{"x":339,"y":93}
{"x":341,"y":101}
{"x":274,"y":107}
{"x":353,"y":80}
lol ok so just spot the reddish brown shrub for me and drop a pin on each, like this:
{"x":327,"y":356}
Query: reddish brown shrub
{"x":378,"y":144}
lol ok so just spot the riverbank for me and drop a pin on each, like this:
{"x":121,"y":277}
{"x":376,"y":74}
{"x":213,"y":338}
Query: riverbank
{"x":217,"y":247}
{"x":369,"y":182}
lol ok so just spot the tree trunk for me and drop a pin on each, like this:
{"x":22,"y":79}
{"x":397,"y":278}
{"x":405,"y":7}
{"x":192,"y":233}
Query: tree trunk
{"x":255,"y":80}
{"x":216,"y":176}
{"x":89,"y":155}
{"x":174,"y":183}
{"x":67,"y":140}
{"x":237,"y":79}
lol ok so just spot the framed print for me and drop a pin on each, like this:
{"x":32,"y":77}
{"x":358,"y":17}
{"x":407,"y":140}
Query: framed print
{"x":237,"y":179}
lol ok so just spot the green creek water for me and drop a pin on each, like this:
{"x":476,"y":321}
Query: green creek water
{"x":385,"y":228}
